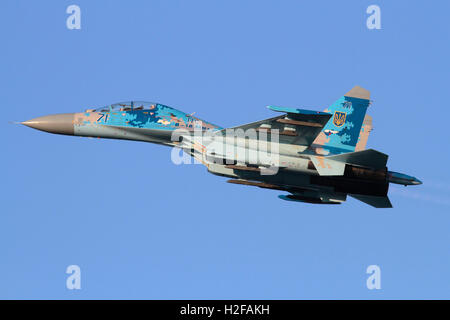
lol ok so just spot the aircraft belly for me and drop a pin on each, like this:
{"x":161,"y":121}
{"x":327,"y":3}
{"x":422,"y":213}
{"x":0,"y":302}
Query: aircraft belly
{"x":282,"y":177}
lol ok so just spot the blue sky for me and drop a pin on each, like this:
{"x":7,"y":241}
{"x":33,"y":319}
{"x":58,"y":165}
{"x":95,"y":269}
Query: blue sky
{"x":141,"y":227}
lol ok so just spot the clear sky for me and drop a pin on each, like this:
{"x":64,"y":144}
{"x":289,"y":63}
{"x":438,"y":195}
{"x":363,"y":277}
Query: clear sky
{"x":141,"y":227}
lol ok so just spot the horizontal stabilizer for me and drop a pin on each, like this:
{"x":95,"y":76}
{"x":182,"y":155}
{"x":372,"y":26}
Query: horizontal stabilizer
{"x":374,"y":201}
{"x":328,"y":167}
{"x":367,"y":158}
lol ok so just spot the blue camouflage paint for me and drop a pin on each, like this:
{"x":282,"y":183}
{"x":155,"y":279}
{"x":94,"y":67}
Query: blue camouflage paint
{"x":343,"y":128}
{"x":161,"y":120}
{"x":159,"y":117}
{"x":148,"y":115}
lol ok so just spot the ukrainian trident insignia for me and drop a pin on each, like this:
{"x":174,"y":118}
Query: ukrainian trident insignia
{"x":339,"y":118}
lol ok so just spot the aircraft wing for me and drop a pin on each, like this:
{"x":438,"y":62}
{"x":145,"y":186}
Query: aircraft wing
{"x":366,"y":158}
{"x":334,"y":165}
{"x":296,"y":126}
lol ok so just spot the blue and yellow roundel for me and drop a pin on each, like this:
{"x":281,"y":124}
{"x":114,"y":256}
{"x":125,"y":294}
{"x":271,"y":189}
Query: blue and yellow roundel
{"x":339,"y":118}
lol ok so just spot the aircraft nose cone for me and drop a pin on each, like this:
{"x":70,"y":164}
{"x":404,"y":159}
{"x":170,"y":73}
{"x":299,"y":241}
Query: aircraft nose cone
{"x":416,"y":181}
{"x":56,"y":123}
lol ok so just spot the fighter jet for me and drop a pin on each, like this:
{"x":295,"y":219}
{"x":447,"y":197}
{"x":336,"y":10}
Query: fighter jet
{"x":313,"y":156}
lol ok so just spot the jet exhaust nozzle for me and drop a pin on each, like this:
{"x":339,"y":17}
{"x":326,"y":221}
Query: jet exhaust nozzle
{"x":401,"y":178}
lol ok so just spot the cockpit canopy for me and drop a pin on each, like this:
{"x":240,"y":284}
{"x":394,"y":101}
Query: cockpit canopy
{"x":128,"y":106}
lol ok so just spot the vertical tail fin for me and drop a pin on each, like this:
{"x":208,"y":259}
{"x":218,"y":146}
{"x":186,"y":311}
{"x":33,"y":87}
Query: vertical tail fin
{"x":341,"y":133}
{"x":364,"y":133}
